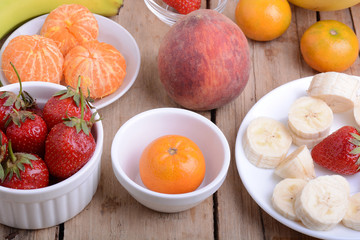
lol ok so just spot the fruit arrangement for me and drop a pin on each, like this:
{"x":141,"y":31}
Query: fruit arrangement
{"x":67,"y":47}
{"x":319,"y":202}
{"x":39,"y":146}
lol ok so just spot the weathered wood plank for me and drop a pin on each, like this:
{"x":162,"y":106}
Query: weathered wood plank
{"x":113,"y":213}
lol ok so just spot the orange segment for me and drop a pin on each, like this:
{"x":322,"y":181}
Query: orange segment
{"x":69,"y":25}
{"x":101,"y":66}
{"x":36,"y":58}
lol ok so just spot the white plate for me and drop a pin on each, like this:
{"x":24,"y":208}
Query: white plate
{"x":261,"y":182}
{"x":109,"y":32}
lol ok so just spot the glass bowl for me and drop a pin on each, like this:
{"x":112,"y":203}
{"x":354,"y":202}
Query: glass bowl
{"x":169,"y":15}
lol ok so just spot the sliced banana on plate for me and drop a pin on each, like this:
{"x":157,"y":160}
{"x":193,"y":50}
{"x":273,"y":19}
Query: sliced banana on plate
{"x":323,"y":202}
{"x":338,"y":90}
{"x":266,"y":142}
{"x":352,"y":216}
{"x":308,"y":142}
{"x":298,"y":164}
{"x":310,"y":118}
{"x":284,"y":195}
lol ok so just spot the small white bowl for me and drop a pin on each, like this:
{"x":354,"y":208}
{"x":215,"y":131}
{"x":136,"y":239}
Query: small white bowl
{"x":55,"y":204}
{"x":139,"y":131}
{"x":169,"y":15}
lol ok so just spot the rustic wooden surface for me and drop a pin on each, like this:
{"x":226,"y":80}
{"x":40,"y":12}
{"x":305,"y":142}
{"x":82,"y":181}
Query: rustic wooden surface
{"x":230,"y":213}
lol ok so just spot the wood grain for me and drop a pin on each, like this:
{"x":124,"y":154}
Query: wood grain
{"x":230,"y":213}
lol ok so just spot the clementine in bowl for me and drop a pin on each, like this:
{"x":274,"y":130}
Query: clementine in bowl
{"x":101,"y":66}
{"x":35,"y":57}
{"x":172,"y":164}
{"x":70,"y":24}
{"x":329,"y":45}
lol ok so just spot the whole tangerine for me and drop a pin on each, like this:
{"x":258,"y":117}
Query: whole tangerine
{"x":70,"y":24}
{"x":101,"y":66}
{"x":35,"y":57}
{"x":329,"y":45}
{"x":263,"y":20}
{"x":172,"y":164}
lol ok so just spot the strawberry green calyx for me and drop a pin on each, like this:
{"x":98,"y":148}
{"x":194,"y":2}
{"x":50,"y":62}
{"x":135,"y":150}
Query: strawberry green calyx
{"x":21,"y":101}
{"x":355,"y":151}
{"x":81,"y":123}
{"x":18,"y":117}
{"x":15,"y":163}
{"x":70,"y":92}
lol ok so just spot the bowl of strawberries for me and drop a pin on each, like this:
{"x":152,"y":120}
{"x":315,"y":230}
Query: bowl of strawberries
{"x":169,"y":11}
{"x":51,"y":145}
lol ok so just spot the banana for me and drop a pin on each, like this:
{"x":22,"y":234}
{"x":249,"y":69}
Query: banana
{"x":310,"y":118}
{"x":266,"y":142}
{"x":338,"y":90}
{"x":352,"y":216}
{"x":284,"y":195}
{"x":15,"y":12}
{"x":356,"y":111}
{"x":323,"y":202}
{"x":299,"y":164}
{"x":324,"y":5}
{"x":308,"y":142}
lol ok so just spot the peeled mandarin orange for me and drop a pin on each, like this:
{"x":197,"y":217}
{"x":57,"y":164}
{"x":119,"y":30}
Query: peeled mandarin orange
{"x":70,"y":24}
{"x":35,"y":57}
{"x":329,"y":45}
{"x":101,"y":66}
{"x":263,"y":20}
{"x":172,"y":164}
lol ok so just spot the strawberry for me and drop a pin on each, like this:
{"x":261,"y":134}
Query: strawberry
{"x":3,"y":152}
{"x":184,"y":6}
{"x":69,"y":145}
{"x":65,"y":103}
{"x":27,"y":132}
{"x":10,"y":101}
{"x":340,"y":151}
{"x":24,"y":171}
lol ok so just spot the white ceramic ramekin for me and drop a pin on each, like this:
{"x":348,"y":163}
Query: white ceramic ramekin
{"x":139,"y":131}
{"x":55,"y":204}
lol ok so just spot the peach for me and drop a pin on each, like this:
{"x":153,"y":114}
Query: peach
{"x":204,"y":61}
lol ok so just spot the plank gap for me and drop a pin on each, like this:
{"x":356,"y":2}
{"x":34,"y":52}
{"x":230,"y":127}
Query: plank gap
{"x":213,"y":116}
{"x":352,"y":22}
{"x":61,"y":231}
{"x":208,"y":4}
{"x":216,"y":216}
{"x":317,"y":16}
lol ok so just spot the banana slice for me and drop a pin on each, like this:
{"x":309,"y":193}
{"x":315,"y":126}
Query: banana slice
{"x":308,"y":142}
{"x":338,"y":90}
{"x":357,"y":111}
{"x":299,"y":164}
{"x":310,"y":118}
{"x":352,"y":216}
{"x":284,"y":195}
{"x":266,"y":142}
{"x":323,"y":202}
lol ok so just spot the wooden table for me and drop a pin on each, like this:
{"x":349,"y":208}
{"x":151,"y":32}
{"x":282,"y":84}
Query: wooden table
{"x":230,"y":213}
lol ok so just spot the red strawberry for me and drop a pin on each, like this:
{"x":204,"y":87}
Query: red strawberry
{"x":3,"y":152}
{"x":27,"y":132}
{"x":184,"y":6}
{"x":63,"y":104}
{"x":69,"y":145}
{"x":340,"y":151}
{"x":10,"y":101}
{"x":24,"y":171}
